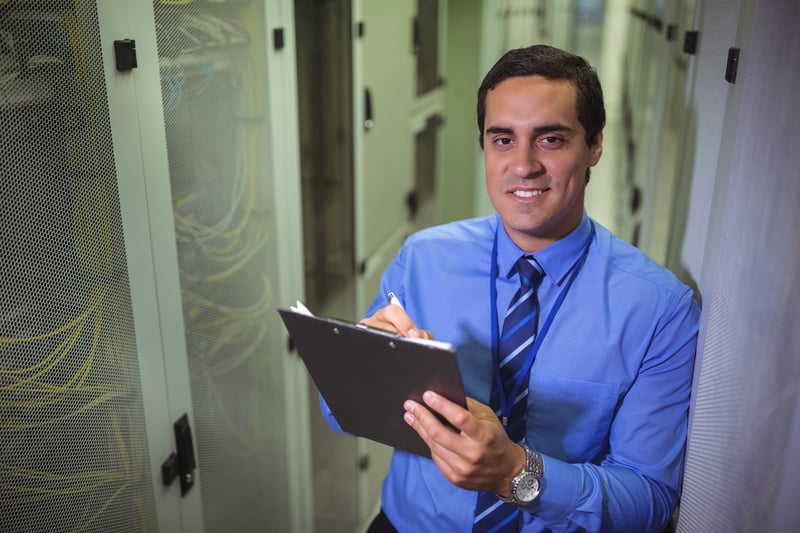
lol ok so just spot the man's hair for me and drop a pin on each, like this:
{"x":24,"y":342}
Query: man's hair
{"x":553,"y":64}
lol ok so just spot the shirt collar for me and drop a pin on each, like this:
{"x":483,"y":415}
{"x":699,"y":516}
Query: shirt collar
{"x":556,"y":260}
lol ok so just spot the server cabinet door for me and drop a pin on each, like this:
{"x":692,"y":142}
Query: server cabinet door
{"x":73,"y":438}
{"x":230,"y":126}
{"x":384,"y":90}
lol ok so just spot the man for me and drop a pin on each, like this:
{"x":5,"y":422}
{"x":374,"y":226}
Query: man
{"x":602,"y":391}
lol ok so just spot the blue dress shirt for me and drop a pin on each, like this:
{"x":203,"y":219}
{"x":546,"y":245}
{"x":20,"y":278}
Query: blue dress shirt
{"x":608,"y":392}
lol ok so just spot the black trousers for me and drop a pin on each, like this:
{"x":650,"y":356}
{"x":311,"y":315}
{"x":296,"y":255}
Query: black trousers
{"x":381,"y":524}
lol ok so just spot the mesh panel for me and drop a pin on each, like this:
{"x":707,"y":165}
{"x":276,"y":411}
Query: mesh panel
{"x":740,"y":465}
{"x":73,"y":453}
{"x":212,"y":62}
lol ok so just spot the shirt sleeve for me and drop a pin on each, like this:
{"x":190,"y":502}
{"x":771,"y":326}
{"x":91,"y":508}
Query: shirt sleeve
{"x":636,"y":487}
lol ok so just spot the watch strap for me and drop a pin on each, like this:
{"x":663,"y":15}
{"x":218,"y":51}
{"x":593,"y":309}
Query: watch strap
{"x":533,"y":465}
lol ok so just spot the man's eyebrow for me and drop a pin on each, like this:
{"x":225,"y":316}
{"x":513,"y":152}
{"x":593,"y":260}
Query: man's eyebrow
{"x":498,"y":129}
{"x":539,"y":130}
{"x":552,"y":128}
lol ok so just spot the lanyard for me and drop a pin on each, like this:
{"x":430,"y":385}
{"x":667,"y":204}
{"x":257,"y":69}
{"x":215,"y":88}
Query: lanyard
{"x":524,"y":371}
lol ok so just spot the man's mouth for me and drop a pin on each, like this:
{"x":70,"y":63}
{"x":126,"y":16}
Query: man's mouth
{"x":528,"y":194}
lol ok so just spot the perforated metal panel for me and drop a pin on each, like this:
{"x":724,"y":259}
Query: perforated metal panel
{"x":741,"y":468}
{"x":213,"y":61}
{"x":73,"y":451}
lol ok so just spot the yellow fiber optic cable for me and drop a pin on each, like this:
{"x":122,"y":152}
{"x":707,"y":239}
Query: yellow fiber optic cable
{"x":55,"y":357}
{"x":95,"y":300}
{"x":234,"y":362}
{"x":79,"y":483}
{"x":89,"y":521}
{"x":7,"y":469}
{"x":235,"y":268}
{"x":94,"y":228}
{"x":232,"y":430}
{"x":52,"y":394}
{"x":10,"y":423}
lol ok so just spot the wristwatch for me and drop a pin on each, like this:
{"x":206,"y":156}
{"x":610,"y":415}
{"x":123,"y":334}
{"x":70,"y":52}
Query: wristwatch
{"x":526,"y":485}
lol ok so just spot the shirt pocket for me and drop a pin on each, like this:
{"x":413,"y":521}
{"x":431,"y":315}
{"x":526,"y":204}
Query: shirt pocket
{"x":570,"y":419}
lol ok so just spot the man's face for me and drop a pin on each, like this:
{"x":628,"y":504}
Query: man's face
{"x":536,"y":159}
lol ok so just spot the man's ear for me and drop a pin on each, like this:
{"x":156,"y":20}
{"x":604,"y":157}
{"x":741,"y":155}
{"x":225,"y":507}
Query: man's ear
{"x":596,"y":150}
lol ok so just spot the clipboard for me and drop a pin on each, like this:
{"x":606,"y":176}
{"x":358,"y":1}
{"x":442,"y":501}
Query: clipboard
{"x":365,"y":375}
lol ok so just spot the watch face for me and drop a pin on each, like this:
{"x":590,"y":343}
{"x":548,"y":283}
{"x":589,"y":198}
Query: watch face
{"x":527,"y":488}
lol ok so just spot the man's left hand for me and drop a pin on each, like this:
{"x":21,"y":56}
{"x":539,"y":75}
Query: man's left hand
{"x":479,"y":456}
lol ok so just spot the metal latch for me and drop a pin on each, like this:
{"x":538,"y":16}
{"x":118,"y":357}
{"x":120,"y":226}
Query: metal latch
{"x":125,"y":55}
{"x":180,"y":464}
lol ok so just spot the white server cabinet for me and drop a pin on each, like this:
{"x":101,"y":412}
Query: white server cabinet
{"x":399,"y":74}
{"x":398,"y":78}
{"x":149,"y":229}
{"x":371,"y":92}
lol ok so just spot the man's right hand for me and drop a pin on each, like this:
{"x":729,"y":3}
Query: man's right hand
{"x":394,"y":318}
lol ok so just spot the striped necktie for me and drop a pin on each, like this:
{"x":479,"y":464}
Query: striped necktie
{"x":519,"y":331}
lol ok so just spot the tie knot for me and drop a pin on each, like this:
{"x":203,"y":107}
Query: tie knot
{"x":530,"y":273}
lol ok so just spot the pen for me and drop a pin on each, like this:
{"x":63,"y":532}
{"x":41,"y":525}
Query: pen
{"x":394,"y":300}
{"x":389,"y":332}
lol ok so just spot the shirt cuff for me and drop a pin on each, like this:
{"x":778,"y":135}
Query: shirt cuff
{"x":561,"y":488}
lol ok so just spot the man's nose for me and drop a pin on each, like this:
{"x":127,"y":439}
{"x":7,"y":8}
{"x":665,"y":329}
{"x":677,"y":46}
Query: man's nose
{"x":526,"y":163}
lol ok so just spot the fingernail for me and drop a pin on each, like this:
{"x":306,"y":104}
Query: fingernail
{"x":413,"y":333}
{"x":429,"y":397}
{"x":409,"y":418}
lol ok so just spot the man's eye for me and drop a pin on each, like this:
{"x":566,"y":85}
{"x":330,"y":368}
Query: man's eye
{"x":551,"y":140}
{"x":502,"y":141}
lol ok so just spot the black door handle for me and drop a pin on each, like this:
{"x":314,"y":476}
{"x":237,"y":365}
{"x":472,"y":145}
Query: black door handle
{"x":180,"y":464}
{"x":368,"y":118}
